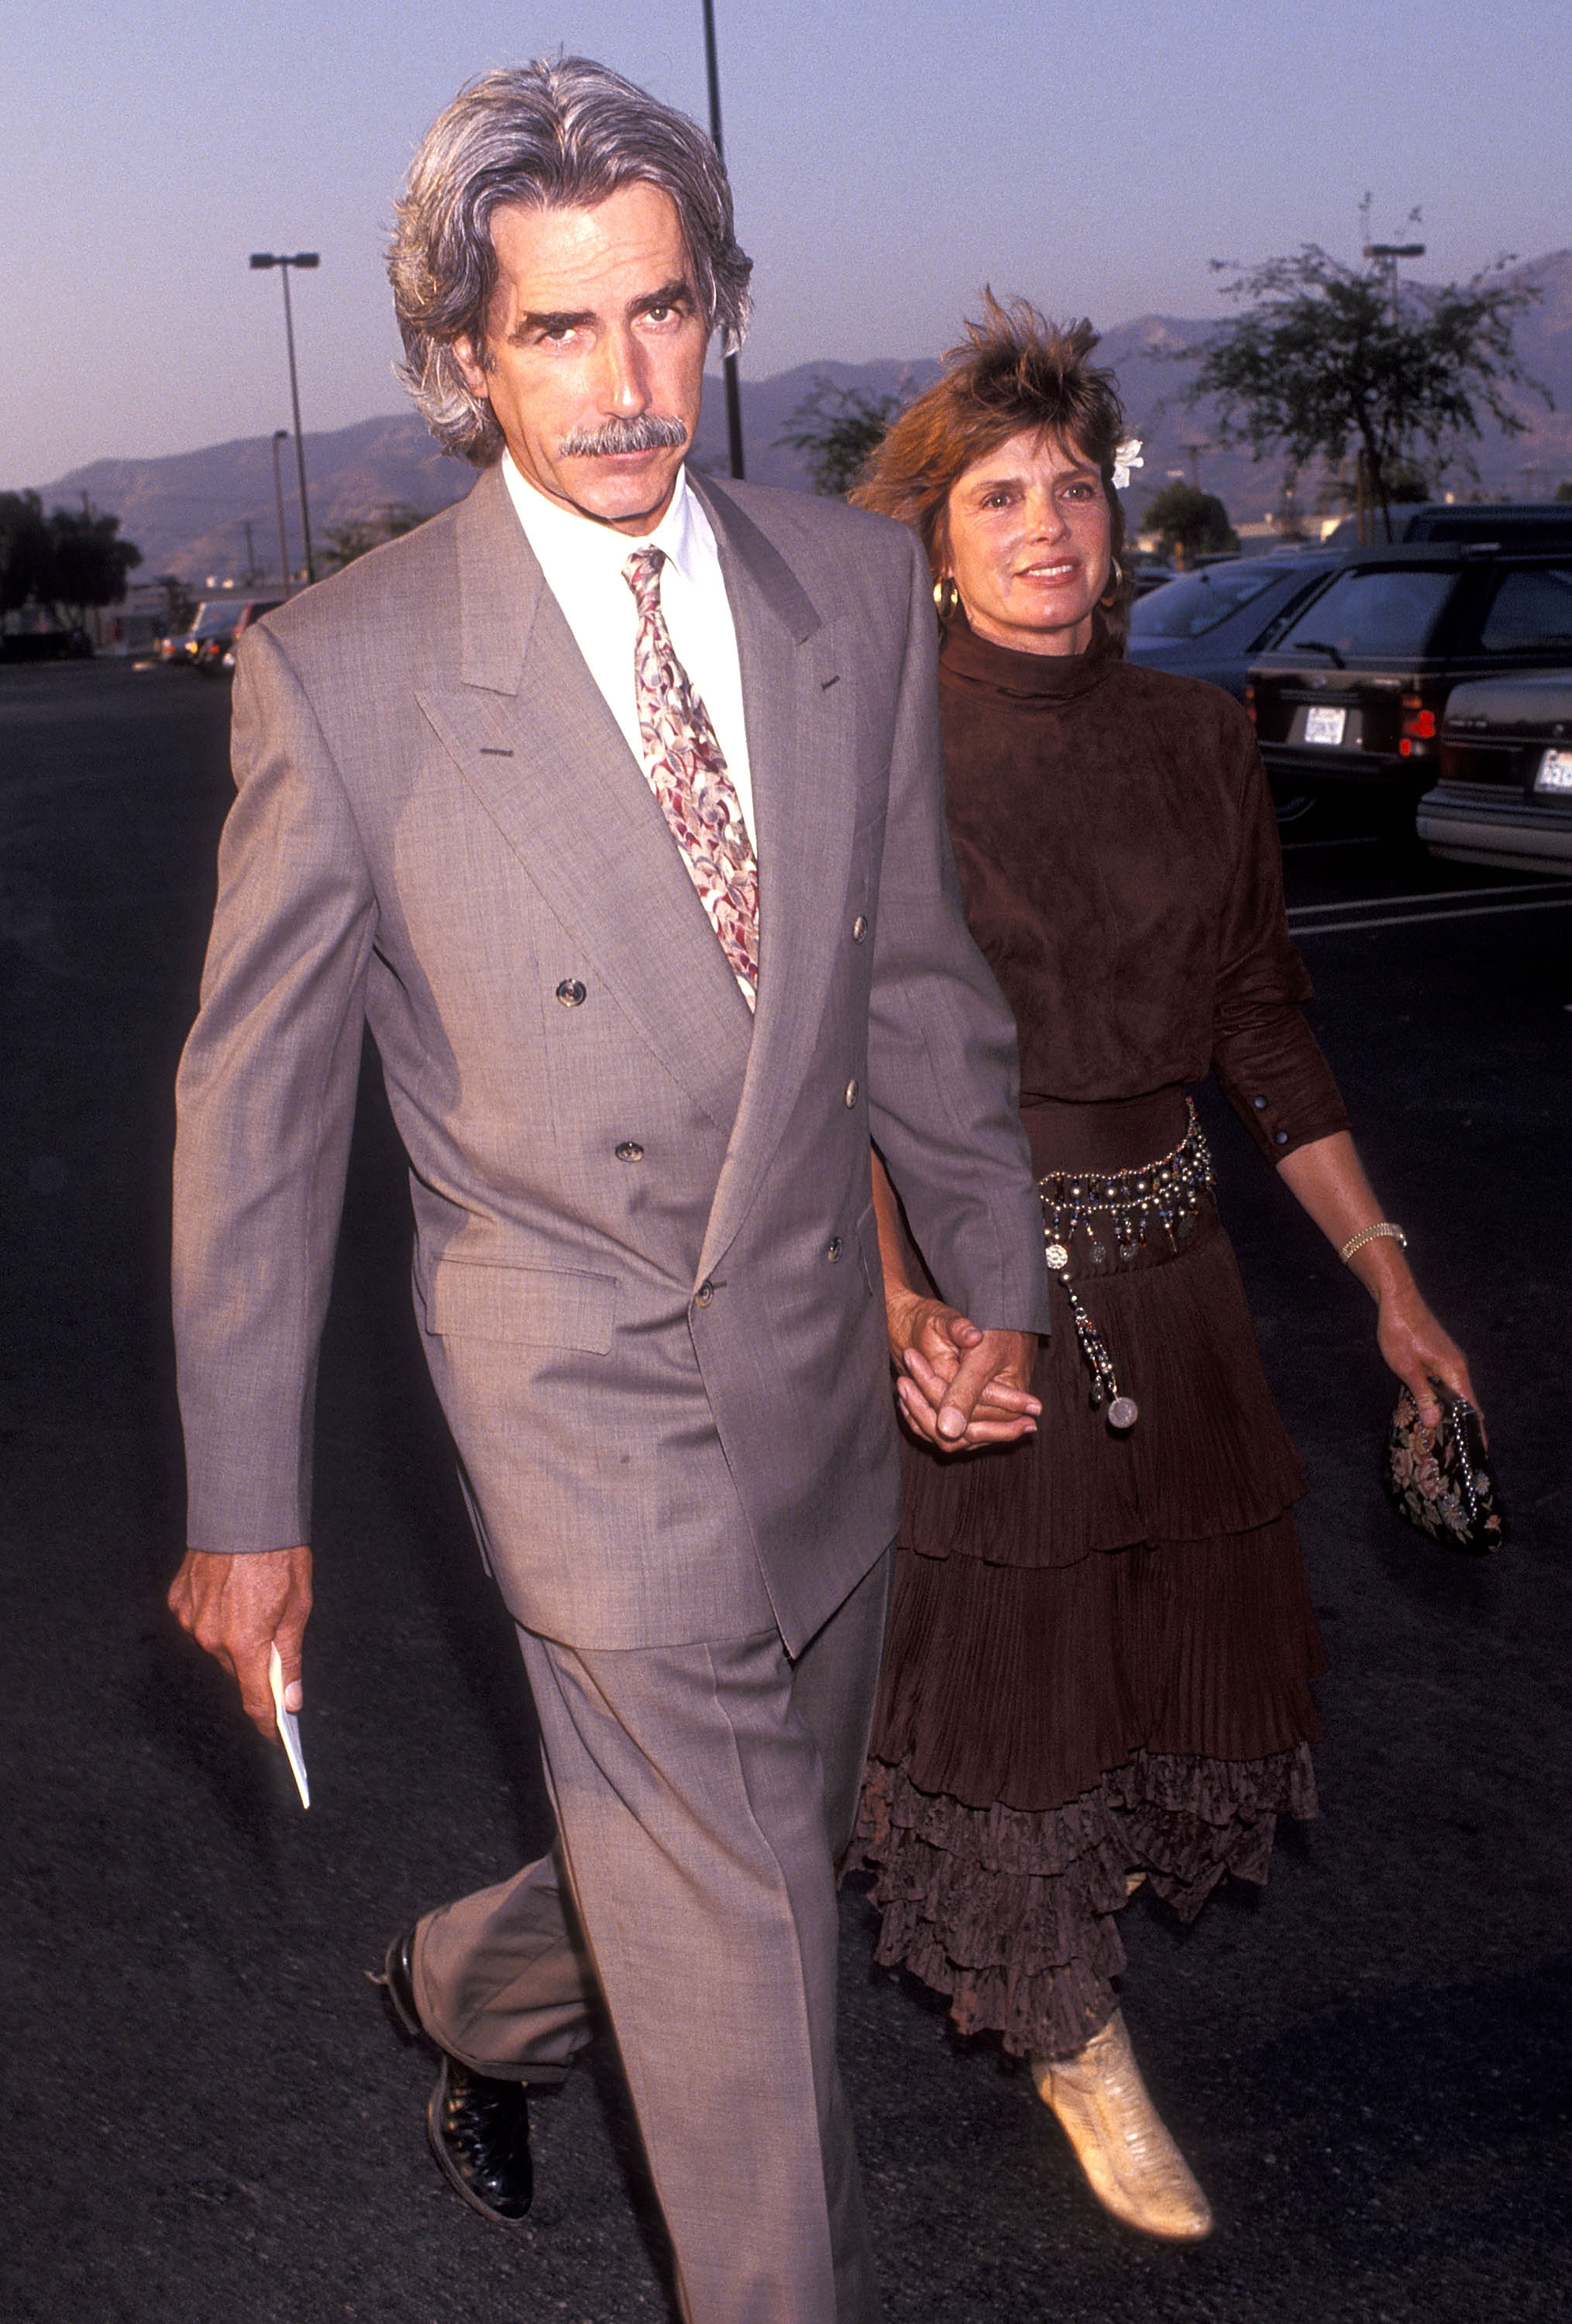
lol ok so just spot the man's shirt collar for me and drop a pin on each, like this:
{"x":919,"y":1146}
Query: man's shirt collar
{"x":560,"y":536}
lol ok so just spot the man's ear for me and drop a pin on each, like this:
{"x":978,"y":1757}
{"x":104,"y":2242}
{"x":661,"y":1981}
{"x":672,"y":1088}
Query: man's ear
{"x":475,"y":376}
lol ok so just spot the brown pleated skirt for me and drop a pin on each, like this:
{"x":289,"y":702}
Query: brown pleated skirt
{"x":1099,"y":1662}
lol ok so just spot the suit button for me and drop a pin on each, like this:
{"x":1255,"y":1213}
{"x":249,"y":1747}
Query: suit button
{"x":630,"y":1151}
{"x":1259,"y":1104}
{"x":851,"y":1093}
{"x":834,"y":1250}
{"x":705,"y":1292}
{"x":570,"y":993}
{"x":859,"y":929}
{"x":1280,"y":1138}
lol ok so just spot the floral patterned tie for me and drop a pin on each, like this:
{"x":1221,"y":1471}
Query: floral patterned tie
{"x":688,"y":774}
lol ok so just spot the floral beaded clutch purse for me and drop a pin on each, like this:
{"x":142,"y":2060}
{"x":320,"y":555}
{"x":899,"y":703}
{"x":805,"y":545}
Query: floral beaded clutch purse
{"x":1436,"y":1478}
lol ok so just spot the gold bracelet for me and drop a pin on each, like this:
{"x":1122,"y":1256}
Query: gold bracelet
{"x":1372,"y":1235}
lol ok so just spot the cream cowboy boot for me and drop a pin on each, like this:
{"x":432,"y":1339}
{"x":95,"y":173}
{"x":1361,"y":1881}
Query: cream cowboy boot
{"x":1134,"y":2169}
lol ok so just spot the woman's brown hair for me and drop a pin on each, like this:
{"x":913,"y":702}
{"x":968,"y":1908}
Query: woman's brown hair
{"x":1015,"y":370}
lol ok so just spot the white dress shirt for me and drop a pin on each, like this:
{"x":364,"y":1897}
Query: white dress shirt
{"x":583,"y":565}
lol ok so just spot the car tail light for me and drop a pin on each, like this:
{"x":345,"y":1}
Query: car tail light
{"x":1419,"y":728}
{"x":1250,"y":703}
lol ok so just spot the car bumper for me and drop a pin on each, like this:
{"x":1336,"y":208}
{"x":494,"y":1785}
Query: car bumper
{"x":1377,"y":767}
{"x":1501,"y":829}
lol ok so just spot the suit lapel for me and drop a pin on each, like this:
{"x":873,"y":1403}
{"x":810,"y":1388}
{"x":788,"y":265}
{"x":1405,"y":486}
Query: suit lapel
{"x":531,"y":734}
{"x":798,"y":723}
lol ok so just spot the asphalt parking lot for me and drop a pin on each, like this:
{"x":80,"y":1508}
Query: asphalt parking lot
{"x":210,"y":2121}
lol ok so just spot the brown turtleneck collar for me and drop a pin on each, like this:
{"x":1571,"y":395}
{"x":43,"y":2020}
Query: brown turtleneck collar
{"x":967,"y":661}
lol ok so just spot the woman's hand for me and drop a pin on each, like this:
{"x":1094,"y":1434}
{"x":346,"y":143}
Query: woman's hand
{"x":959,"y":1387}
{"x":1416,"y":1348}
{"x":1328,"y":1179}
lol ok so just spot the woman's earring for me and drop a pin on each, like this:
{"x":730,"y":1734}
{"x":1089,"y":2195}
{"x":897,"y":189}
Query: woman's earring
{"x":1116,"y":582}
{"x":947,"y":596}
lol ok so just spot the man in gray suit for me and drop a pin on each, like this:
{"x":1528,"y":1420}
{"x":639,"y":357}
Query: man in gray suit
{"x":610,"y":801}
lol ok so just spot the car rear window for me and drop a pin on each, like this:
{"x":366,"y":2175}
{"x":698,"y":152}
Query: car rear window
{"x":1380,"y":612}
{"x":1197,"y":602}
{"x":1532,"y":606}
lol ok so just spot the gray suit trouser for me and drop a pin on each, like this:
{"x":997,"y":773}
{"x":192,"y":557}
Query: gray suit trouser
{"x":702,"y":1795}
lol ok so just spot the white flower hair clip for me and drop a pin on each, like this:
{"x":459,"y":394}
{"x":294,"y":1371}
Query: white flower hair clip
{"x":1127,"y":457}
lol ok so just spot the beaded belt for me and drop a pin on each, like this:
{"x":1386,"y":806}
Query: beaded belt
{"x":1164,"y":1194}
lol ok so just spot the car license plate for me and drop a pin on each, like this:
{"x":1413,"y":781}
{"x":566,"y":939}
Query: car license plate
{"x":1324,"y":726}
{"x":1555,"y":771}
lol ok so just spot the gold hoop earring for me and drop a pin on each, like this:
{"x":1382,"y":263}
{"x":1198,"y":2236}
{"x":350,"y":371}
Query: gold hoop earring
{"x":1110,"y":595}
{"x":947,"y":596}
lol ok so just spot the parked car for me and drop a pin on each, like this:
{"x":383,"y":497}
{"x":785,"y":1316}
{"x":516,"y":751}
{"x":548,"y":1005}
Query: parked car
{"x":253,"y":611}
{"x":213,"y":618}
{"x":1212,"y":623}
{"x":220,"y":622}
{"x":1355,"y":688}
{"x":1505,"y":792}
{"x":1149,"y":569}
{"x":1515,"y":524}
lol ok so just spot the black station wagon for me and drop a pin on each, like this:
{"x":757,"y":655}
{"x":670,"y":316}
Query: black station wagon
{"x":1355,"y":689}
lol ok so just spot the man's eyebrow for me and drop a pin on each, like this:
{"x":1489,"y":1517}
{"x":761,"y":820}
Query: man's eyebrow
{"x":678,"y":293}
{"x":535,"y":321}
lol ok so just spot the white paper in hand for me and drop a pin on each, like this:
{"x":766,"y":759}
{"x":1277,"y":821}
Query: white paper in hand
{"x":289,"y":1727}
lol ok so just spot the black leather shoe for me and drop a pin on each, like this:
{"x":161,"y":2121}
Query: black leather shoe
{"x":479,"y":2128}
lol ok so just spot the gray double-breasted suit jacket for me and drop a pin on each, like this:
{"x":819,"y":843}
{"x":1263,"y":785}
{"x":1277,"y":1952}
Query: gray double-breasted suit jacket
{"x":645,"y":1264}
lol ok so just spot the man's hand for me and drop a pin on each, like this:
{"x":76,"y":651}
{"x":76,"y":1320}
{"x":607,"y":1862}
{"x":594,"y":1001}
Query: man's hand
{"x":236,"y":1607}
{"x":961,"y":1388}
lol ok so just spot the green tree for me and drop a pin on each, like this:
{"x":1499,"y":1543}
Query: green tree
{"x":838,"y":430}
{"x":1564,"y":489}
{"x":345,"y":542}
{"x":64,"y":562}
{"x":1323,"y":361}
{"x":26,"y":551}
{"x":91,"y":563}
{"x":1190,"y":522}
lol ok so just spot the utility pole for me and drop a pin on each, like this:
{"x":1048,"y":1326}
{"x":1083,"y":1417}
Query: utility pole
{"x":280,"y":436}
{"x":733,"y":399}
{"x":308,"y":258}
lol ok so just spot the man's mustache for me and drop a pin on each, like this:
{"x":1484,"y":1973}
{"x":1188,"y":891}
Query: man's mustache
{"x":652,"y":431}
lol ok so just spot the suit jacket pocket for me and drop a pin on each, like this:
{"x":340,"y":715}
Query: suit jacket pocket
{"x":524,"y":1306}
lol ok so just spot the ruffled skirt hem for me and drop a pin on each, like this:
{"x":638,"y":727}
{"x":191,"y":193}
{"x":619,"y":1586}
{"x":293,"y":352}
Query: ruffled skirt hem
{"x":1012,"y":1913}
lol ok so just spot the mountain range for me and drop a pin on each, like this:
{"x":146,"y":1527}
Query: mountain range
{"x":187,"y":512}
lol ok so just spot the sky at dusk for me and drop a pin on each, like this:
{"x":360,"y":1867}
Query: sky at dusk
{"x":889,"y":156}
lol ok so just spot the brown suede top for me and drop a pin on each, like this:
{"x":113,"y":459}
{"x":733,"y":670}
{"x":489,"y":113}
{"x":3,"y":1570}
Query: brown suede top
{"x":1119,"y":857}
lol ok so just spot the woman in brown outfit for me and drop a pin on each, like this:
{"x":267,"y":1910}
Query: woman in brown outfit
{"x":1101,"y":1642}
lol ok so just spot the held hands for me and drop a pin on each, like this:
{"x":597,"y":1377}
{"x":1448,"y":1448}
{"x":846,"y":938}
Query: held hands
{"x":959,"y":1387}
{"x":236,"y":1607}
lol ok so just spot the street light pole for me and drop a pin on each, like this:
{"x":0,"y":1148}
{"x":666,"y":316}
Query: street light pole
{"x":1387,"y":254}
{"x":734,"y":398}
{"x":280,"y":436}
{"x":1390,"y":253}
{"x":309,"y":258}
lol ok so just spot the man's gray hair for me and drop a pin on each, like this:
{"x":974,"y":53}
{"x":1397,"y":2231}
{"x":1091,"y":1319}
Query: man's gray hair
{"x":555,"y":135}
